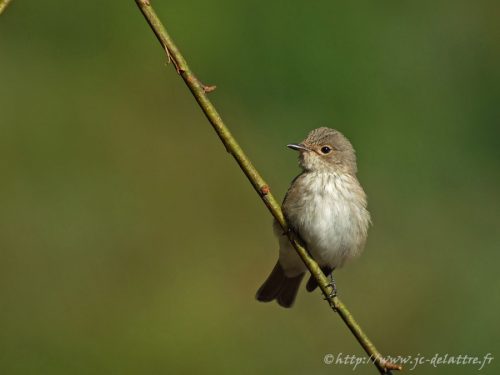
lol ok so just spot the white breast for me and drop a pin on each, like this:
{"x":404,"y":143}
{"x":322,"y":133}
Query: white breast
{"x":331,"y":217}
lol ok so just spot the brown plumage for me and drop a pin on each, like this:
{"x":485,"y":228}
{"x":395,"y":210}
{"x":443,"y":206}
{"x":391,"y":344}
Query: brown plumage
{"x":326,"y":207}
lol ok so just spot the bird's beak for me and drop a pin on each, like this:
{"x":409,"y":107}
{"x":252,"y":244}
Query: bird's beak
{"x":298,"y":147}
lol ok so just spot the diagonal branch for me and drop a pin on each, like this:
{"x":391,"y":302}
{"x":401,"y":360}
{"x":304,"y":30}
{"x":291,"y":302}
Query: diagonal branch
{"x":199,"y":92}
{"x":3,"y":5}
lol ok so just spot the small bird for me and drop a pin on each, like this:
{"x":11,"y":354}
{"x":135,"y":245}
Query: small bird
{"x":325,"y":207}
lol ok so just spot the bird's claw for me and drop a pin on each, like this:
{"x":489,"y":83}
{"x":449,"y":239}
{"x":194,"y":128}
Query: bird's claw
{"x":332,"y":284}
{"x":334,"y":288}
{"x":332,"y":294}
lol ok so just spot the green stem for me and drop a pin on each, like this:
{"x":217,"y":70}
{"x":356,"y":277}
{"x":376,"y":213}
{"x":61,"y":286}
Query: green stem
{"x":200,"y":91}
{"x":3,"y":5}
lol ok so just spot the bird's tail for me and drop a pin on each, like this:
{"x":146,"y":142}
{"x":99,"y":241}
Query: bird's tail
{"x":279,"y":287}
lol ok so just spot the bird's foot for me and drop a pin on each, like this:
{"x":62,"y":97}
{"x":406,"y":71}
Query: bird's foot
{"x":332,"y":294}
{"x":332,"y":284}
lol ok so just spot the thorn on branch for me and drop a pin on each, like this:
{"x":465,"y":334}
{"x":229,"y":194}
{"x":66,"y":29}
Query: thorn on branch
{"x":390,"y":366}
{"x":208,"y":88}
{"x":171,"y":59}
{"x":264,"y":190}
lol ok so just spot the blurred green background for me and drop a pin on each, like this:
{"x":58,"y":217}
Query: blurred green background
{"x":131,"y":243}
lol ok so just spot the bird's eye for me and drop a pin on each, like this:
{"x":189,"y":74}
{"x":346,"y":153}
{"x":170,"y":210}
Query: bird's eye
{"x":325,"y":149}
